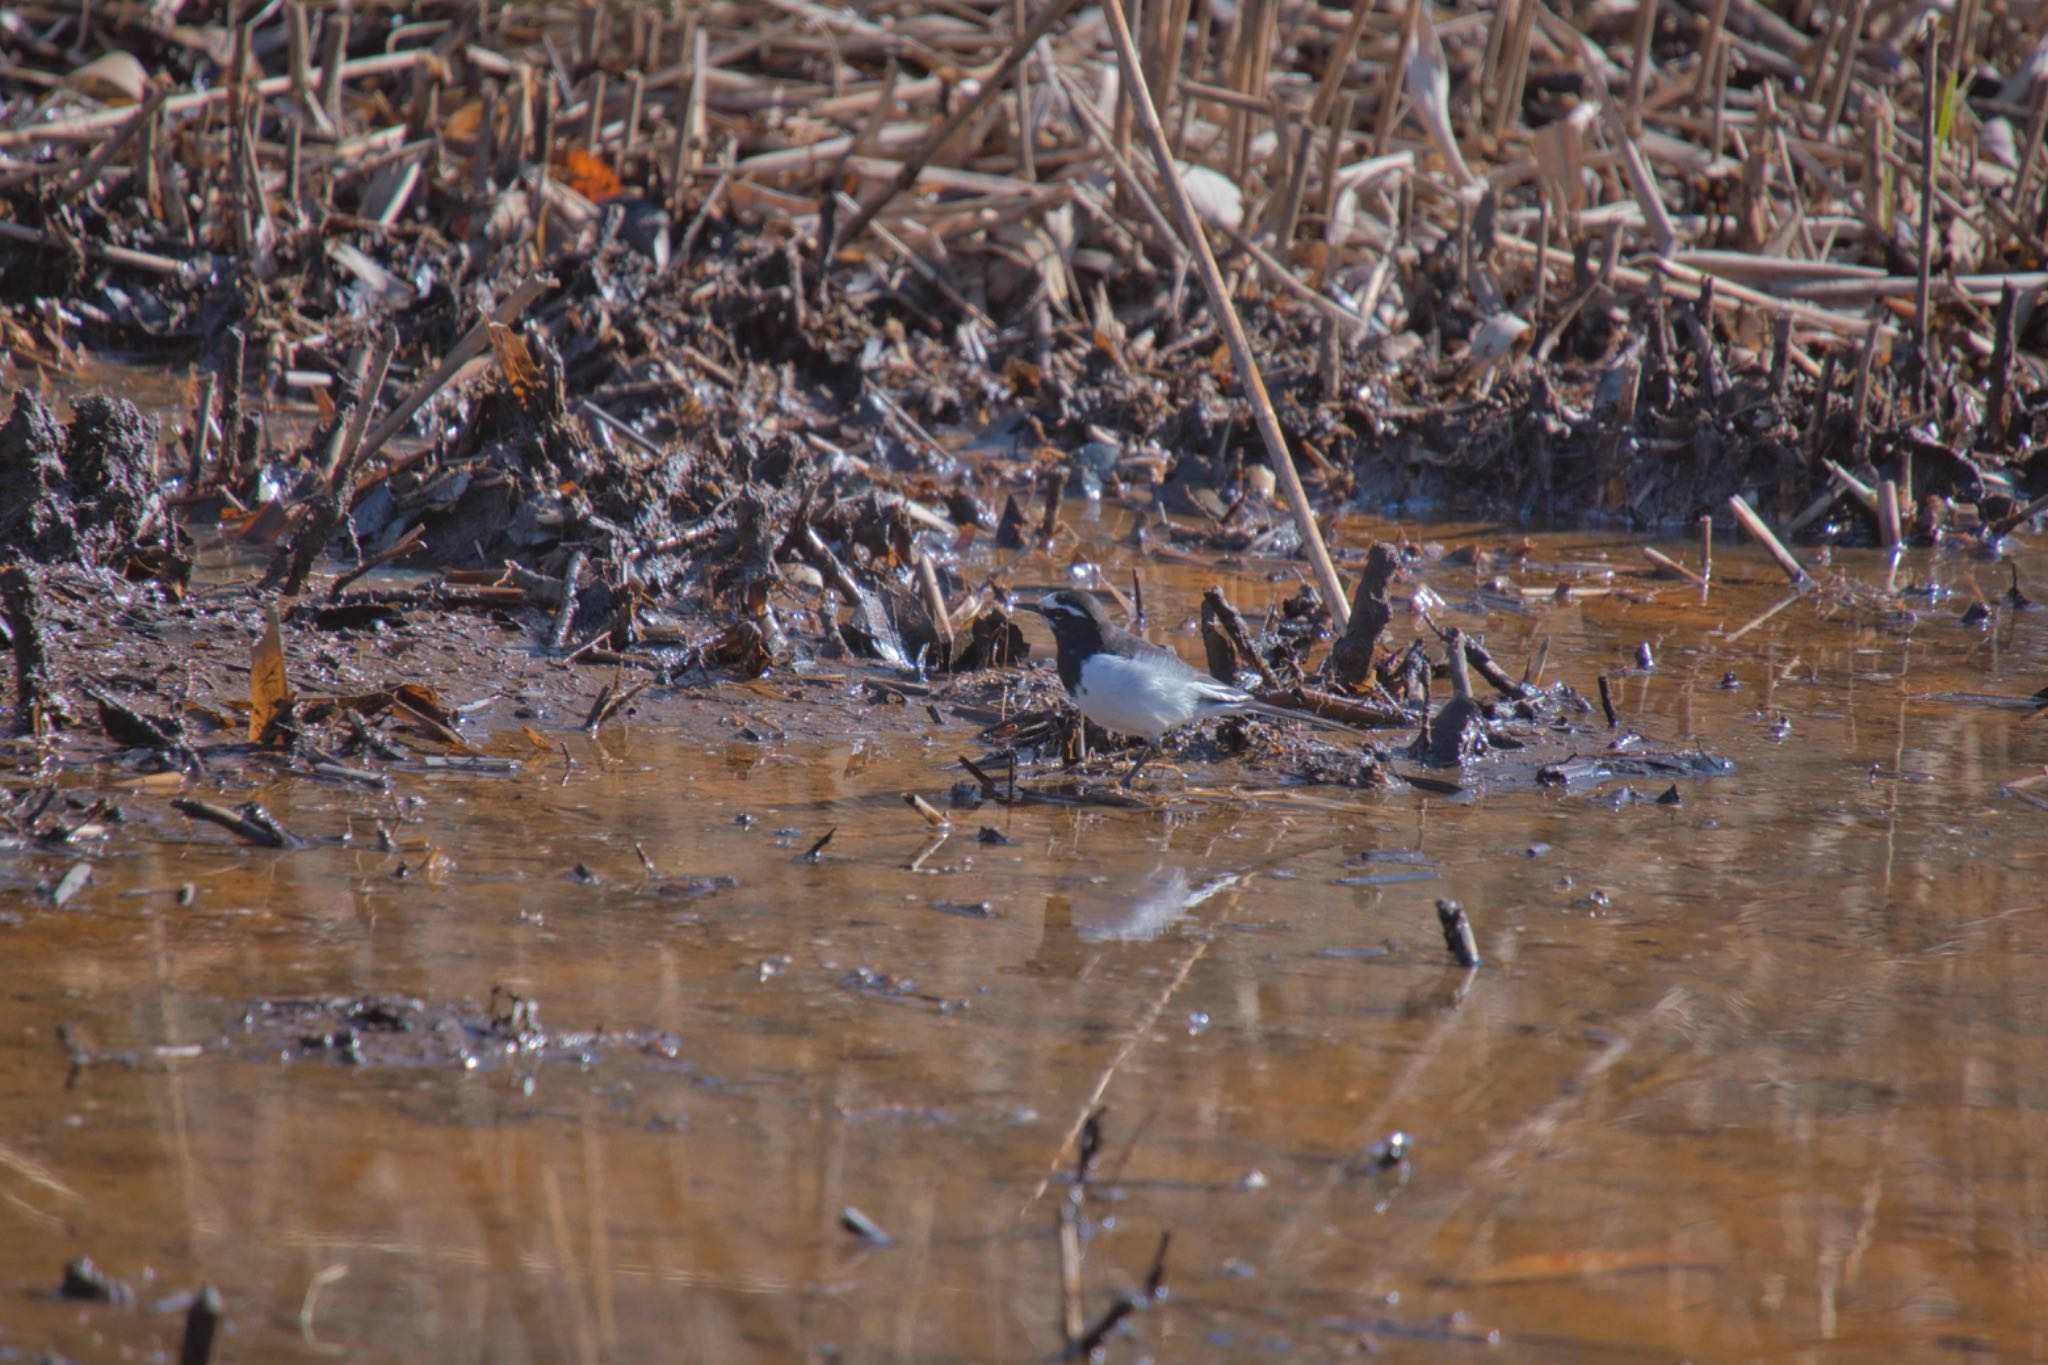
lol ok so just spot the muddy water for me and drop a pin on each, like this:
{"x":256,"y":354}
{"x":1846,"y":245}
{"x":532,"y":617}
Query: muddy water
{"x":1755,"y":1074}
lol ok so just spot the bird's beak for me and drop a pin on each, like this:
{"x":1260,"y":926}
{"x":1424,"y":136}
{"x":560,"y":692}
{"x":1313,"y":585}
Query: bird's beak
{"x":1037,"y":606}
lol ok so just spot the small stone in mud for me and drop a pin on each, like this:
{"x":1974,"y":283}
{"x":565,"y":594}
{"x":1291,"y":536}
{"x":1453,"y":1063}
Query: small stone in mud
{"x":1730,"y":683}
{"x":84,"y":1280}
{"x":1671,"y":796}
{"x":581,"y":873}
{"x":993,"y":837}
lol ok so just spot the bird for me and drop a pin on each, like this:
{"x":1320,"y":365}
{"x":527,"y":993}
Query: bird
{"x":1131,"y":686}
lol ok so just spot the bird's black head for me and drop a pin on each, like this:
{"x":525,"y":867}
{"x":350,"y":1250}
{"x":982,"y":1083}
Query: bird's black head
{"x":1076,"y":618}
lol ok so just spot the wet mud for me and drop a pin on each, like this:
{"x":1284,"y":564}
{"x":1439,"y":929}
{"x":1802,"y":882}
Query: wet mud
{"x":695,"y":1019}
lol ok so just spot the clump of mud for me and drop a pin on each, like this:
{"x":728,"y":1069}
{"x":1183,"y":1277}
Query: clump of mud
{"x":88,"y":493}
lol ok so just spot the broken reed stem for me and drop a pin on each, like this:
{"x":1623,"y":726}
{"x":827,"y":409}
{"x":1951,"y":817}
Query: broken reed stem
{"x":346,"y":455}
{"x":935,"y":603}
{"x":691,"y":130}
{"x":1639,"y":72}
{"x":1670,"y":565}
{"x":1390,"y":95}
{"x":1754,"y":524}
{"x":992,"y":84}
{"x":472,"y":345}
{"x":1520,"y":42}
{"x":113,"y":147}
{"x":1888,"y":515}
{"x":1247,"y":365}
{"x":202,"y":434}
{"x":1332,"y":87}
{"x":1710,"y":54}
{"x":1927,"y":156}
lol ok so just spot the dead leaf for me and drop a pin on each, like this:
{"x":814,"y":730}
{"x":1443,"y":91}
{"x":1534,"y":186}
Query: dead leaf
{"x":1216,"y":197}
{"x":586,"y":174}
{"x":1428,"y":79}
{"x":116,"y":78}
{"x":521,"y":374}
{"x":270,"y":691}
{"x":465,"y":123}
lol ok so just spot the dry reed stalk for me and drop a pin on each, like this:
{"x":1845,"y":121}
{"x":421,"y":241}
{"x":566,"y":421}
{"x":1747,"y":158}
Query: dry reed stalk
{"x":473,"y":344}
{"x":1390,"y":94}
{"x":1521,"y":41}
{"x":1838,"y":97}
{"x":992,"y":84}
{"x":1246,"y":364}
{"x":1639,"y":71}
{"x":1921,"y":333}
{"x":1754,"y":524}
{"x":91,"y":127}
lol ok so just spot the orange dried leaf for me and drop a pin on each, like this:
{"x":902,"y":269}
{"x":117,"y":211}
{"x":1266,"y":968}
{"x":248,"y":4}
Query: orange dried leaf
{"x":270,"y":691}
{"x":465,"y":123}
{"x":521,"y":374}
{"x":586,"y":174}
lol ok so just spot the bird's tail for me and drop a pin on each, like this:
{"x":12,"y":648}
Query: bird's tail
{"x":1259,"y":708}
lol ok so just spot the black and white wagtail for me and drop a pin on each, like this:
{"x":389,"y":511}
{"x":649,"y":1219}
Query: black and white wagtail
{"x":1130,"y":686}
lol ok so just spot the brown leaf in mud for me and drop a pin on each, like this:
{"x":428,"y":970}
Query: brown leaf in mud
{"x":535,"y":738}
{"x":270,"y":691}
{"x":521,"y":374}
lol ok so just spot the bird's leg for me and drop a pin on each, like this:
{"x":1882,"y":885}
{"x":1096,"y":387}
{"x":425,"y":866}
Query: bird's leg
{"x":1138,"y":767}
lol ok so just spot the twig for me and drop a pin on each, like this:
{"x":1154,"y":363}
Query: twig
{"x":88,"y":127}
{"x":472,"y":345}
{"x":1670,"y":565}
{"x":265,"y":831}
{"x":1932,"y":61}
{"x":1754,"y":524}
{"x":992,"y":85}
{"x":405,"y":544}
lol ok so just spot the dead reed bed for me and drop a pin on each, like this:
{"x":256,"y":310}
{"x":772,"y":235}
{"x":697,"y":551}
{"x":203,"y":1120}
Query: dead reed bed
{"x":1625,"y":261}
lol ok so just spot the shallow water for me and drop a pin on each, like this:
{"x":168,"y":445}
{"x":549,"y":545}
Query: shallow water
{"x":1756,"y":1074}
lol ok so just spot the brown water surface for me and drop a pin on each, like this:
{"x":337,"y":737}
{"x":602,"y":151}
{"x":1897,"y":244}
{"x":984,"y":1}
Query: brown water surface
{"x":1754,"y":1075}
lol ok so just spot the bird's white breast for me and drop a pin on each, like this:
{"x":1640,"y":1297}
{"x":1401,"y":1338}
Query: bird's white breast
{"x":1141,"y":697}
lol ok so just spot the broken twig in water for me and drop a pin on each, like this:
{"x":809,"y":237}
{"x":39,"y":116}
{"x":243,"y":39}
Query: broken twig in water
{"x":1754,"y":524}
